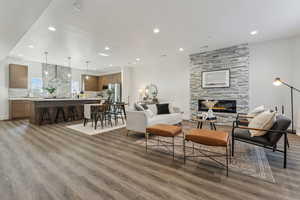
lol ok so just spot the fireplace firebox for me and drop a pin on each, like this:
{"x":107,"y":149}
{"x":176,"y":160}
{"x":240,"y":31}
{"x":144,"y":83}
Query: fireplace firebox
{"x":222,"y":106}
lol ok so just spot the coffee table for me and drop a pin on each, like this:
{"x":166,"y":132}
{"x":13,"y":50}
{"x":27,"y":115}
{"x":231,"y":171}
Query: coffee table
{"x":210,"y":121}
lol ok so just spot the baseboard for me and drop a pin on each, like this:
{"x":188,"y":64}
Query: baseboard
{"x":4,"y":117}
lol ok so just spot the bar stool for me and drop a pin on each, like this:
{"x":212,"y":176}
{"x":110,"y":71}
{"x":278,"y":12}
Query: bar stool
{"x":60,"y":111}
{"x":72,"y":113}
{"x":45,"y":116}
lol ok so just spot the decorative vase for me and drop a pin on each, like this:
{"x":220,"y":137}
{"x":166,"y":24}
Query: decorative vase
{"x":210,"y":113}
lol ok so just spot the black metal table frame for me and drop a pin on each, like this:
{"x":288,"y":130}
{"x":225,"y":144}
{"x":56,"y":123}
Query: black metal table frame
{"x":227,"y":155}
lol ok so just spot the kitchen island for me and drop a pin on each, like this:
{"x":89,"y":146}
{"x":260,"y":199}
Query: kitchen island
{"x":48,"y":108}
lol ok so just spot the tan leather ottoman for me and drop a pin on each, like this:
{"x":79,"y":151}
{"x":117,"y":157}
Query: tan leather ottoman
{"x":208,"y":138}
{"x":163,"y":130}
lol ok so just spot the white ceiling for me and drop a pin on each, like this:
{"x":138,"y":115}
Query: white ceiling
{"x":126,"y":27}
{"x":16,"y":17}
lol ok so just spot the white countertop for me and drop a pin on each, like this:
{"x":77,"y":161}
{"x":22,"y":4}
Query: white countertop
{"x":56,"y":99}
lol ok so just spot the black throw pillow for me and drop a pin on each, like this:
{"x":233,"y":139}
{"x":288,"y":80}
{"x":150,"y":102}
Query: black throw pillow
{"x":163,"y":108}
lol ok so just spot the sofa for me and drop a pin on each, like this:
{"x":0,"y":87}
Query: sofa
{"x":137,"y":121}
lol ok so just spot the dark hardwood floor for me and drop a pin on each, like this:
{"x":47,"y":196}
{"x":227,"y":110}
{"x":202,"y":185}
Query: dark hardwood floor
{"x":54,"y":162}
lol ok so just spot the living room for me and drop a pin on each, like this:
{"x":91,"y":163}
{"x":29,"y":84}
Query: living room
{"x":149,"y":99}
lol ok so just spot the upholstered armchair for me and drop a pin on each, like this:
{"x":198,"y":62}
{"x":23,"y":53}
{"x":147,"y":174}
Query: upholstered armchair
{"x":241,"y":133}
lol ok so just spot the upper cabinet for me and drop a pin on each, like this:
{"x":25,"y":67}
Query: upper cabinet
{"x":90,"y":84}
{"x":96,"y":83}
{"x":18,"y":76}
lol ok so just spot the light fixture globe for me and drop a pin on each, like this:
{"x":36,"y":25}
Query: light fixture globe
{"x":277,"y":81}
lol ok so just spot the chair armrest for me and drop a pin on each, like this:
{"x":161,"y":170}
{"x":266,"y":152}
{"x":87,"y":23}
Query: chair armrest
{"x":258,"y":129}
{"x":136,"y":121}
{"x":244,"y":115}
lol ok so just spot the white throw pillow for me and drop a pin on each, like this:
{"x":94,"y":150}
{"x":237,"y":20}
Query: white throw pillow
{"x":149,"y":113}
{"x":257,"y":111}
{"x":171,"y":108}
{"x":264,"y":120}
{"x":153,"y":108}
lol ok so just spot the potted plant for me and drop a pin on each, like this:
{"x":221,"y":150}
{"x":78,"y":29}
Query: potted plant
{"x":51,"y":91}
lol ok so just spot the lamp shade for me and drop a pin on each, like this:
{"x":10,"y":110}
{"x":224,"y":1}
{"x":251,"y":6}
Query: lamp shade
{"x":277,"y":81}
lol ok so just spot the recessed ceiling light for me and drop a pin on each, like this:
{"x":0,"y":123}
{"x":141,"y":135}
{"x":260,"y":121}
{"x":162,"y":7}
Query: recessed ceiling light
{"x":156,"y":30}
{"x":103,"y":54}
{"x":254,"y":32}
{"x":181,"y":49}
{"x":31,"y":46}
{"x":137,"y":59}
{"x":111,"y":65}
{"x":106,"y":48}
{"x":20,"y":55}
{"x":51,"y":28}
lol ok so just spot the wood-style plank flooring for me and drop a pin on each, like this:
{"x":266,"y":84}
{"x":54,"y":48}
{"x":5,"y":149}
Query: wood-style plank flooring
{"x":53,"y":162}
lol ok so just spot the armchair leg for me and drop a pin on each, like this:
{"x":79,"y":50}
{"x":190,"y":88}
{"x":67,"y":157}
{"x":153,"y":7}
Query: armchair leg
{"x":285,"y":151}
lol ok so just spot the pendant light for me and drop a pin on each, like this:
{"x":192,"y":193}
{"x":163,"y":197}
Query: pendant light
{"x":46,"y":63}
{"x":87,"y":70}
{"x":69,"y":74}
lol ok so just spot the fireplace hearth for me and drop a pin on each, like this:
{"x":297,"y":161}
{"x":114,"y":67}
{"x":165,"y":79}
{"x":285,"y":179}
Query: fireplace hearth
{"x":223,"y":106}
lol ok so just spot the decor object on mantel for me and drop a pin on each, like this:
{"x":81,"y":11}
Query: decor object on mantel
{"x":216,"y":79}
{"x":210,"y":105}
{"x":278,"y":82}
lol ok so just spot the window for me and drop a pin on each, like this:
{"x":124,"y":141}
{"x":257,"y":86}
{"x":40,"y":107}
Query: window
{"x":75,"y":86}
{"x":36,"y":83}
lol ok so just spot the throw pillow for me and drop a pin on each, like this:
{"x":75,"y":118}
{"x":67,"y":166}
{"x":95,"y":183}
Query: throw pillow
{"x":149,"y":113}
{"x":171,"y":108}
{"x":138,"y":107}
{"x":257,"y":111}
{"x":144,"y":106}
{"x":263,"y":120}
{"x":162,"y":109}
{"x":153,"y":108}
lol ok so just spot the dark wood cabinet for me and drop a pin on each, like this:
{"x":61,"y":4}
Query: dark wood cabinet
{"x":90,"y":84}
{"x":19,"y":109}
{"x":96,"y":83}
{"x":18,"y":76}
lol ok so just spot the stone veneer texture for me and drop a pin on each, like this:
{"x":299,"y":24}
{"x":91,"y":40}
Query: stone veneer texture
{"x":235,"y":58}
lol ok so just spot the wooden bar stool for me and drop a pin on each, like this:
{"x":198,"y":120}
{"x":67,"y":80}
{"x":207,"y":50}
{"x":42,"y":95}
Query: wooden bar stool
{"x":45,"y":116}
{"x":60,"y":111}
{"x":208,"y":138}
{"x":72,"y":113}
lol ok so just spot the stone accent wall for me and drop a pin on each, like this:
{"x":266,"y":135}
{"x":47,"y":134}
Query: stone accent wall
{"x":235,"y":58}
{"x":58,"y":78}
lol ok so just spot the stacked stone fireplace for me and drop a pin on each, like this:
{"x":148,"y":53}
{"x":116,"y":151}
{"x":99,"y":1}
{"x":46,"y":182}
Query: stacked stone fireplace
{"x":236,"y":59}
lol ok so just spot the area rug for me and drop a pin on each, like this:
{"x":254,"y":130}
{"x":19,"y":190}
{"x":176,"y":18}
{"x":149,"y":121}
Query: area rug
{"x":89,"y":129}
{"x":248,"y":159}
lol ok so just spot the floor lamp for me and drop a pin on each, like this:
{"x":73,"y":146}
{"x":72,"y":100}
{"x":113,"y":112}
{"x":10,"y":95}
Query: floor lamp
{"x":278,"y":82}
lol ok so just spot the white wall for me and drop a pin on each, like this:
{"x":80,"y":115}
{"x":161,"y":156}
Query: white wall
{"x":278,"y":58}
{"x":269,"y":60}
{"x":296,"y":79}
{"x":171,"y":75}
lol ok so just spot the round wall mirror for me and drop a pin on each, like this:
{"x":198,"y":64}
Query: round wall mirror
{"x":151,"y":91}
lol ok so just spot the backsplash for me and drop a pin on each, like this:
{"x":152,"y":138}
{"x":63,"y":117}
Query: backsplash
{"x":58,"y":77}
{"x":12,"y":92}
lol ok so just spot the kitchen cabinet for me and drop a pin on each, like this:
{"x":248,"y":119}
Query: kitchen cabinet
{"x":91,"y":84}
{"x":18,"y":76}
{"x":19,"y":109}
{"x":96,"y":83}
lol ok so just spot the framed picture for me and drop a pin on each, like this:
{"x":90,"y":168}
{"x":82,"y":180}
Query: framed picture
{"x":216,"y":79}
